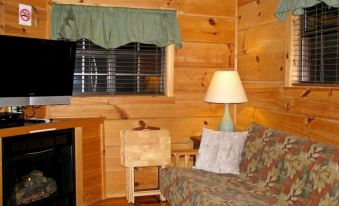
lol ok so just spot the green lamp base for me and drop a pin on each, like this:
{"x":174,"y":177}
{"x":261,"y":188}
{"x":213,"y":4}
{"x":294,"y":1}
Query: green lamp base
{"x":226,"y":123}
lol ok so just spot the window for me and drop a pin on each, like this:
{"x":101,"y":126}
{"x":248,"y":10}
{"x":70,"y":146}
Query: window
{"x":133,"y":69}
{"x":316,"y":47}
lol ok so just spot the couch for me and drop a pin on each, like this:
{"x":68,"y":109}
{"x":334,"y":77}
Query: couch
{"x":276,"y":169}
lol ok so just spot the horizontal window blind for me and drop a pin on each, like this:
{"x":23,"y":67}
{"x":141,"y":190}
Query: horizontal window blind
{"x":315,"y":45}
{"x":128,"y":70}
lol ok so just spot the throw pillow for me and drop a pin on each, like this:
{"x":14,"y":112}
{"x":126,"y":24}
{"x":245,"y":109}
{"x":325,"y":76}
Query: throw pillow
{"x":220,"y":152}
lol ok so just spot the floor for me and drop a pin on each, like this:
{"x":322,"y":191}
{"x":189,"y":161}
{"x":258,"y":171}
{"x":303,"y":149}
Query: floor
{"x":140,"y":201}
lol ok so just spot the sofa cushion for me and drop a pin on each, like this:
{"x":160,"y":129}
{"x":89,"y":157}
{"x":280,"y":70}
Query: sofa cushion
{"x":310,"y":174}
{"x":187,"y":187}
{"x":220,"y":151}
{"x":300,"y":171}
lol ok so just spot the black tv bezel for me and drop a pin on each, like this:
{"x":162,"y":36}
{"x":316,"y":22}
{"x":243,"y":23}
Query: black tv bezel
{"x":32,"y":96}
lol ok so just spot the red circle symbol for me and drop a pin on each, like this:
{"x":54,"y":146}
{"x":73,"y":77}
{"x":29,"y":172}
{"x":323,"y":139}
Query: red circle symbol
{"x":25,"y":15}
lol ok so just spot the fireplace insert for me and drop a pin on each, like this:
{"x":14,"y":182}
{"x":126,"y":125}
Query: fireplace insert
{"x":38,"y":169}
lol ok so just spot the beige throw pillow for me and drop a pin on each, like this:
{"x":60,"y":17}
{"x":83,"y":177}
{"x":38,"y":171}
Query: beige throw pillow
{"x":220,"y":152}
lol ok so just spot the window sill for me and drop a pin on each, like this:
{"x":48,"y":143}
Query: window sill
{"x":312,"y":86}
{"x":110,"y":100}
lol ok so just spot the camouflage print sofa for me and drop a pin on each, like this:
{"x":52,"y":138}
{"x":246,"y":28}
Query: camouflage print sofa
{"x":276,"y":169}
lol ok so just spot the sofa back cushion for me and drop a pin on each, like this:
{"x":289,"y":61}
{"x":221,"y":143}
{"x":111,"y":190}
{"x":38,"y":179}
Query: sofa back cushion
{"x":262,"y":157}
{"x":299,"y":171}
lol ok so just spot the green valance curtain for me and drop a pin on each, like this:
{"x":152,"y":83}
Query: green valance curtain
{"x":297,"y":6}
{"x":114,"y":27}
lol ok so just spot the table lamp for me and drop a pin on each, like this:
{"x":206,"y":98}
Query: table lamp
{"x":226,"y":87}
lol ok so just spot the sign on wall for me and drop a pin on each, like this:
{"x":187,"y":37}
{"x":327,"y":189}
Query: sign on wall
{"x":25,"y":14}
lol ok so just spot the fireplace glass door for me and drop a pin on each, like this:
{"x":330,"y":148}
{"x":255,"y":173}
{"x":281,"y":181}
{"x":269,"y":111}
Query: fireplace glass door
{"x":38,"y":169}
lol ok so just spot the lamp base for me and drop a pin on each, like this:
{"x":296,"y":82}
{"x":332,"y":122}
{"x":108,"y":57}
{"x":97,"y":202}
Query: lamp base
{"x":226,"y":123}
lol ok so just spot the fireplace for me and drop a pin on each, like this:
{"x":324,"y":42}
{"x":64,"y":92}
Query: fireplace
{"x":39,"y":169}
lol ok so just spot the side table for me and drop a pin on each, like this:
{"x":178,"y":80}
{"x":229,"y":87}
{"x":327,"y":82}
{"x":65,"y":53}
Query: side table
{"x":144,"y":148}
{"x":196,"y":141}
{"x":187,"y":154}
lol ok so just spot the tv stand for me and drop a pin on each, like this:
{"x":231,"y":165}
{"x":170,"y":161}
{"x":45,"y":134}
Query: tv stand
{"x":16,"y":119}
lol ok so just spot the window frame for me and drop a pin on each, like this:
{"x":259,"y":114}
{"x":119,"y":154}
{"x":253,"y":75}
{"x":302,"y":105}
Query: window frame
{"x":292,"y":55}
{"x":169,"y":76}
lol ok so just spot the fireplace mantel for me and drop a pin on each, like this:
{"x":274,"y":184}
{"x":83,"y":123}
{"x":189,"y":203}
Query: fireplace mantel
{"x":56,"y":124}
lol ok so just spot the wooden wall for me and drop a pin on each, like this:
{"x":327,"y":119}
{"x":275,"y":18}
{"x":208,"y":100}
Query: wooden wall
{"x":262,"y":56}
{"x":92,"y":132}
{"x":208,"y":32}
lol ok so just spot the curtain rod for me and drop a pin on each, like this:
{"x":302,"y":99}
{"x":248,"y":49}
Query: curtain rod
{"x":113,"y":6}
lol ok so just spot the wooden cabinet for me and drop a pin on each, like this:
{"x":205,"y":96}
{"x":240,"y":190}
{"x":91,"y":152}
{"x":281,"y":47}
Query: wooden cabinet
{"x":92,"y":163}
{"x":88,"y":154}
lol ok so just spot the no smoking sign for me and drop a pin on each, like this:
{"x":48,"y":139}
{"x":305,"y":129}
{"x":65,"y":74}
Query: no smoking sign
{"x":25,"y":14}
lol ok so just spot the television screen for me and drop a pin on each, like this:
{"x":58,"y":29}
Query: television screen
{"x":35,"y":71}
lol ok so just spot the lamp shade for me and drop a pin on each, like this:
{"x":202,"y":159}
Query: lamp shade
{"x":226,"y":87}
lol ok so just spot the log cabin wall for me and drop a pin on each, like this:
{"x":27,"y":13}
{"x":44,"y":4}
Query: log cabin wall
{"x":93,"y":186}
{"x":262,"y":54}
{"x":208,"y":32}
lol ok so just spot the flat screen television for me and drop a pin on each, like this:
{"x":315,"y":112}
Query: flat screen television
{"x":35,"y":71}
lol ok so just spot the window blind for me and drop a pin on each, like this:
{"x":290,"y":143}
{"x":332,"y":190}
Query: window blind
{"x":132,"y":69}
{"x":315,"y":45}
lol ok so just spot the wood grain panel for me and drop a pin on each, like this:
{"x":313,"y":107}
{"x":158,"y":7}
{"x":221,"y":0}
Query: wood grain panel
{"x":210,"y":29}
{"x":266,"y":39}
{"x":40,"y":19}
{"x":256,"y":13}
{"x":188,"y":79}
{"x":92,"y":195}
{"x":155,"y":4}
{"x":208,"y":7}
{"x":318,"y":129}
{"x":324,"y":130}
{"x":312,"y":102}
{"x":262,"y":67}
{"x":306,"y":111}
{"x":194,"y":54}
{"x":92,"y":178}
{"x":243,"y":2}
{"x":146,"y":178}
{"x":80,"y":110}
{"x":115,"y":184}
{"x":136,"y":111}
{"x":288,"y":122}
{"x":180,"y":129}
{"x":2,"y":20}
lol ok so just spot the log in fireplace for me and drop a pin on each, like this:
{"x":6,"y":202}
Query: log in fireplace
{"x":39,"y":169}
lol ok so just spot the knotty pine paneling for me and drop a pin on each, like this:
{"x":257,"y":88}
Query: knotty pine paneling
{"x":262,"y":49}
{"x":261,"y":66}
{"x":40,"y":19}
{"x":190,"y":79}
{"x":197,"y":54}
{"x":136,"y":111}
{"x":208,"y":7}
{"x":312,"y":102}
{"x":242,"y":2}
{"x":256,"y":13}
{"x":210,"y":29}
{"x":92,"y":154}
{"x":264,"y":39}
{"x":180,"y":129}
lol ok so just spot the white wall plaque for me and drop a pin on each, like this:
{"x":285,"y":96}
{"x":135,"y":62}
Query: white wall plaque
{"x":25,"y":14}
